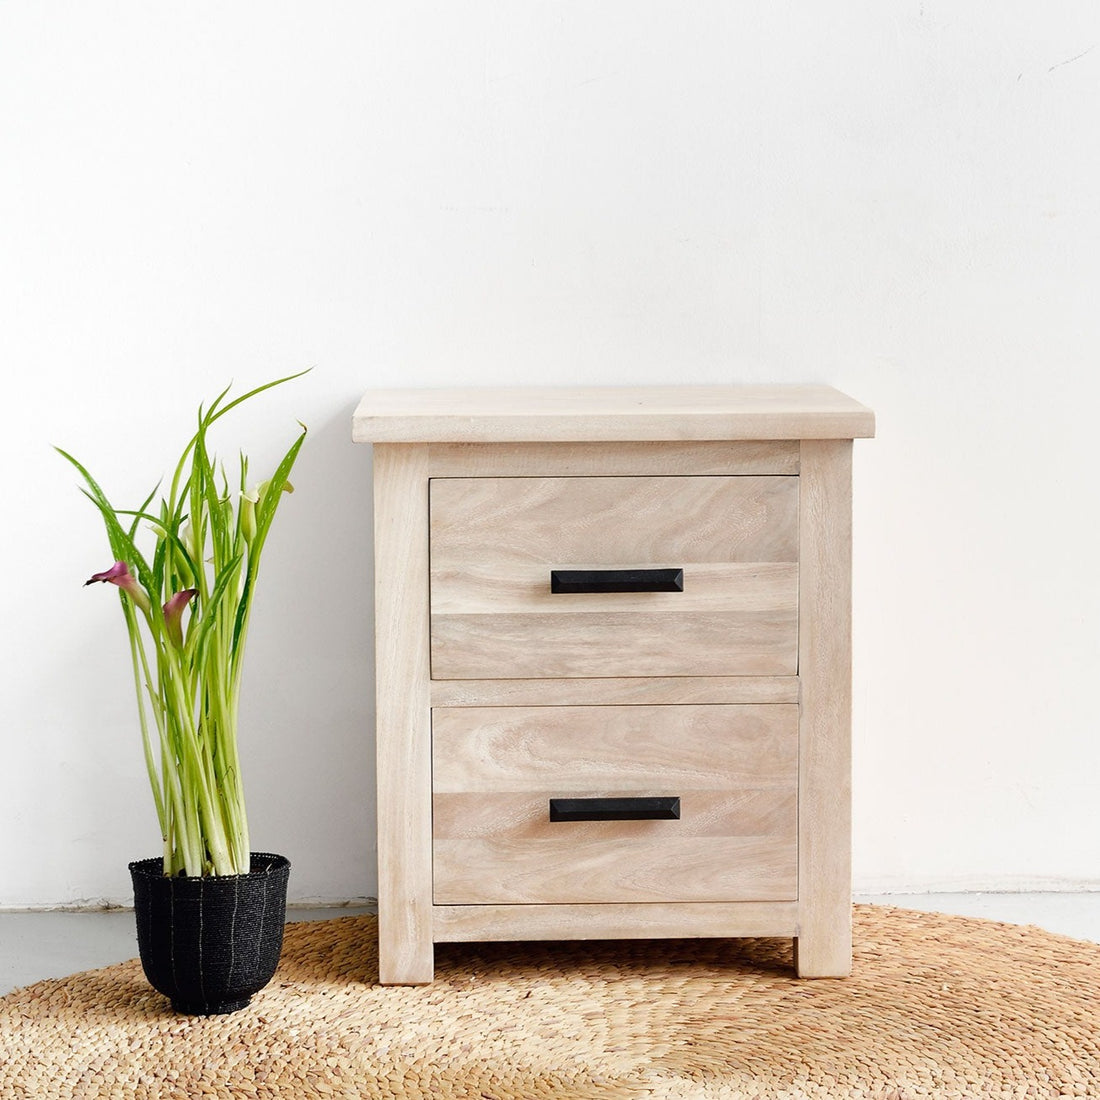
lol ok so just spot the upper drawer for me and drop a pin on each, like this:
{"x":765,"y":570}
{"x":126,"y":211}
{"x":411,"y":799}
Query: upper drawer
{"x":494,"y":542}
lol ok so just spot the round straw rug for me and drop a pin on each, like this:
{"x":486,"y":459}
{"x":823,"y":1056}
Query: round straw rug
{"x":938,"y":1006}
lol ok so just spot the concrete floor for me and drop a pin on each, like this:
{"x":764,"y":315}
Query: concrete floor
{"x":53,"y":944}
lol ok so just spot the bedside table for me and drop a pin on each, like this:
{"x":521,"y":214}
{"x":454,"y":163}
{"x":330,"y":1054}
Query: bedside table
{"x":613,"y":666}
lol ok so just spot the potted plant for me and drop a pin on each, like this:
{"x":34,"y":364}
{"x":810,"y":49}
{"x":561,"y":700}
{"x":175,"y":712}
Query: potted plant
{"x":209,"y":911}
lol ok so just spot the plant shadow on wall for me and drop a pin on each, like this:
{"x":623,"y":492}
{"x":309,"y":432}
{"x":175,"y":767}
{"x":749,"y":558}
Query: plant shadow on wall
{"x":209,"y":910}
{"x":314,"y":625}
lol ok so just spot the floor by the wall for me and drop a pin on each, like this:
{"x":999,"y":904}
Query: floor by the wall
{"x":52,"y":944}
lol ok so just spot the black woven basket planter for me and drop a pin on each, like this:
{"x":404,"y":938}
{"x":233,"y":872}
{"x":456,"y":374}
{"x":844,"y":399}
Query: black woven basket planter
{"x":210,"y":943}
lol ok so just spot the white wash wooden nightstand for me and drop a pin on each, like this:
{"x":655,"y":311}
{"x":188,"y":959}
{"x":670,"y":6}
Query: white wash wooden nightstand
{"x":613,"y":666}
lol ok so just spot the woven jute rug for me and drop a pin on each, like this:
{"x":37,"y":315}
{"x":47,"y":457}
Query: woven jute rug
{"x":937,"y":1006}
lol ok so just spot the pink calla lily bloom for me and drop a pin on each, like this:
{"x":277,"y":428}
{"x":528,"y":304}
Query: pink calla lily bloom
{"x":173,"y":613}
{"x":119,"y":574}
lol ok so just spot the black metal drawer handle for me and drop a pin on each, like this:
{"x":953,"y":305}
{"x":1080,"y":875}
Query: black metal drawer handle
{"x":615,"y":809}
{"x":616,"y":580}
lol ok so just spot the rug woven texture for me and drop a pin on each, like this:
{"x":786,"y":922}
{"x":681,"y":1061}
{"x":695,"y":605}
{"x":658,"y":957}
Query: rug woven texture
{"x":937,"y":1006}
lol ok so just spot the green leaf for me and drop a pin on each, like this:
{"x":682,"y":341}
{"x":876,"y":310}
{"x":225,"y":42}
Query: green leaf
{"x":210,"y":608}
{"x":122,"y":545}
{"x":252,"y":393}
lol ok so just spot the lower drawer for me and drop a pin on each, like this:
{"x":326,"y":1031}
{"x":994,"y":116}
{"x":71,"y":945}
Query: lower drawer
{"x":733,"y":768}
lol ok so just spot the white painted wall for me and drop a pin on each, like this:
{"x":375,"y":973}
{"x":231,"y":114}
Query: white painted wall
{"x":896,"y":197}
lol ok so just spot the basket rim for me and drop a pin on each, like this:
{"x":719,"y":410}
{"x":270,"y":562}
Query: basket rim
{"x":153,"y":868}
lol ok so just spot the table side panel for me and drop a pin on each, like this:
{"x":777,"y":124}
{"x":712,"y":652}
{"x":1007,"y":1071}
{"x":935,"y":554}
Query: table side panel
{"x":824,"y":945}
{"x":403,"y":740}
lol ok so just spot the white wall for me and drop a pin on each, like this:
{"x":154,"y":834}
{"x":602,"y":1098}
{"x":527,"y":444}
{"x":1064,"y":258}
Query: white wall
{"x":899,"y":198}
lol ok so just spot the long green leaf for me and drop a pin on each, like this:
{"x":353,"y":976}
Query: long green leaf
{"x":122,"y":545}
{"x":193,"y":680}
{"x":265,"y":514}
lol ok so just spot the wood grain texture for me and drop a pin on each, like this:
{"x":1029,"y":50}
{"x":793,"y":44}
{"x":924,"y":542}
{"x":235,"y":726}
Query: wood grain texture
{"x":610,"y":459}
{"x":494,"y":542}
{"x":554,"y":521}
{"x":824,"y":944}
{"x":524,"y":589}
{"x":764,"y":783}
{"x":594,"y":644}
{"x":525,"y":816}
{"x":605,"y":413}
{"x":566,"y":870}
{"x":608,"y":691}
{"x":546,"y":749}
{"x":733,"y":767}
{"x":403,"y":714}
{"x":465,"y":923}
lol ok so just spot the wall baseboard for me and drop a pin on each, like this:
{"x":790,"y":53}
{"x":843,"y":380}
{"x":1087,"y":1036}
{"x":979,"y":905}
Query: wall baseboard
{"x":973,"y":884}
{"x":104,"y":905}
{"x":878,"y":886}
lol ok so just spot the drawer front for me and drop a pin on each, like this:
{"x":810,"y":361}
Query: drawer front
{"x":495,"y":541}
{"x":733,"y":768}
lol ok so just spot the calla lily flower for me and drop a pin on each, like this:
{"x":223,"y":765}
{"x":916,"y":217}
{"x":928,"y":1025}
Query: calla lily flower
{"x":173,"y":614}
{"x":119,"y":574}
{"x":249,"y":500}
{"x":263,"y":488}
{"x":187,"y":537}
